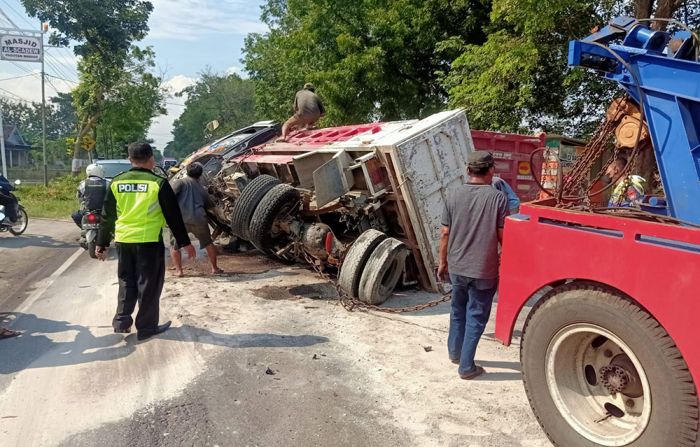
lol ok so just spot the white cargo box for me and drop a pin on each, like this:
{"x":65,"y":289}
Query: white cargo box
{"x":424,"y":160}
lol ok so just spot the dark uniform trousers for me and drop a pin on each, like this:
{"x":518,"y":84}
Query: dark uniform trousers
{"x":141,"y":274}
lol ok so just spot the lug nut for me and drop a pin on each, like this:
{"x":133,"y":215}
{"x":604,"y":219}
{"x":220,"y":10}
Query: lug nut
{"x":608,"y":353}
{"x":629,"y":403}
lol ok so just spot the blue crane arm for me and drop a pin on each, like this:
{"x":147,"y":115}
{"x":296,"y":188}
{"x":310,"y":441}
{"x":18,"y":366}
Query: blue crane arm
{"x":660,"y":72}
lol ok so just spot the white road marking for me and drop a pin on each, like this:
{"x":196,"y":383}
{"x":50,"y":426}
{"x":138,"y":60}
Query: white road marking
{"x":49,"y":282}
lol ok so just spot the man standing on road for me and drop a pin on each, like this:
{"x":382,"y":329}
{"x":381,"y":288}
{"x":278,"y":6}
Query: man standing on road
{"x":194,"y":201}
{"x":137,"y":207}
{"x":308,"y":109}
{"x":472,"y":228}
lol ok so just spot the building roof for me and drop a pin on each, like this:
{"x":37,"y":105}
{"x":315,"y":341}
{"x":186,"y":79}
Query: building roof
{"x":13,"y":138}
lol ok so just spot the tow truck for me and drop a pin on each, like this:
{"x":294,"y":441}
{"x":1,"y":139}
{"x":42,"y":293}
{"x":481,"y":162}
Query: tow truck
{"x":609,"y":350}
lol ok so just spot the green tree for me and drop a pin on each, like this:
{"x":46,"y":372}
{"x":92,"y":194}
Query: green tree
{"x":104,"y":31}
{"x":136,"y":98}
{"x":519,"y":78}
{"x":228,"y":99}
{"x":370,"y":59}
{"x":60,"y":125}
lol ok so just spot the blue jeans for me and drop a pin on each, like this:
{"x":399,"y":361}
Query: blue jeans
{"x":471,"y":307}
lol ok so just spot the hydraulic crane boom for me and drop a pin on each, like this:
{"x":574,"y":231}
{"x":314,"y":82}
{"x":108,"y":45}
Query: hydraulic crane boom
{"x":660,"y":71}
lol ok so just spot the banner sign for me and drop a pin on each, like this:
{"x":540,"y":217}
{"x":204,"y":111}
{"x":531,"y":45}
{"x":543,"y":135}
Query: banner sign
{"x":20,"y":48}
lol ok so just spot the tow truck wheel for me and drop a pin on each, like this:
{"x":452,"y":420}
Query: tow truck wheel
{"x":356,"y":259}
{"x":600,"y":371}
{"x":382,"y":271}
{"x":246,"y":203}
{"x":275,"y":210}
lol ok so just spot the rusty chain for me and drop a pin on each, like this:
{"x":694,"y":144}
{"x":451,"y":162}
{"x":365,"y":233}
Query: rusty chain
{"x":351,"y":304}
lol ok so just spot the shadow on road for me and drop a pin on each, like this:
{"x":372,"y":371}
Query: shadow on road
{"x":35,"y":349}
{"x":31,"y":240}
{"x":497,"y":375}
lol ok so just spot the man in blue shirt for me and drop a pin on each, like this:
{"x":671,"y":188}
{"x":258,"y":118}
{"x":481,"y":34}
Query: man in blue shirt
{"x":504,"y":187}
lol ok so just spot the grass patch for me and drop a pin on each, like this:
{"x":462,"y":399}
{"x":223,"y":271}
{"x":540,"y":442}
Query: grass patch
{"x":56,"y":201}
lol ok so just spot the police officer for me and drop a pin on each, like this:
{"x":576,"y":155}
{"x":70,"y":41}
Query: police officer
{"x":137,"y":206}
{"x":91,"y":192}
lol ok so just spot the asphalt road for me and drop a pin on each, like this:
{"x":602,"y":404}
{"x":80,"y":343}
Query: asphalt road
{"x":262,"y":356}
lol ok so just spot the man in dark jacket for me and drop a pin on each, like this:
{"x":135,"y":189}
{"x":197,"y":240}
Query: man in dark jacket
{"x":7,"y":200}
{"x":194,"y":202}
{"x":137,"y":207}
{"x":308,"y":109}
{"x":91,"y":192}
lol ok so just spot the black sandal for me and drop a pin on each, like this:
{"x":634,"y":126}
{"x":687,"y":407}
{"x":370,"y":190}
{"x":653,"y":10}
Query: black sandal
{"x":8,"y":333}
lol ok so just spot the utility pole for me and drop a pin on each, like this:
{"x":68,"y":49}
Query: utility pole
{"x":43,"y":106}
{"x":2,"y":147}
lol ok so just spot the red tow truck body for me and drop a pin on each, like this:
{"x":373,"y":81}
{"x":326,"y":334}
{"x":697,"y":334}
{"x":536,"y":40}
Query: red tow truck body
{"x":657,"y":265}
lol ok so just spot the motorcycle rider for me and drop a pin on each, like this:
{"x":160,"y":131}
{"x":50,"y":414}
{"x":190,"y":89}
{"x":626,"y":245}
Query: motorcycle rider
{"x":91,"y":192}
{"x":7,"y":199}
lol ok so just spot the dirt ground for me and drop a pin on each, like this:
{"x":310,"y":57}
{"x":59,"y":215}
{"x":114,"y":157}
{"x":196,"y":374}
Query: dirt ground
{"x":399,"y":361}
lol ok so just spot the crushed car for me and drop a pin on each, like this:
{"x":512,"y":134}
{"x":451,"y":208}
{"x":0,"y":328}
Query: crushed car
{"x":363,"y":201}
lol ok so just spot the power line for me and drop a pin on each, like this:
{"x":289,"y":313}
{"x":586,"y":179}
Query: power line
{"x":20,"y":15}
{"x":17,"y":77}
{"x":61,"y":79}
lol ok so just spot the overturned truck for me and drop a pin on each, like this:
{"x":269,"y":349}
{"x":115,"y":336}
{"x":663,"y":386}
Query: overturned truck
{"x":362,"y":201}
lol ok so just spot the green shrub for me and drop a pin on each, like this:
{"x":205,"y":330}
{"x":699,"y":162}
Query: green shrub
{"x":55,"y":201}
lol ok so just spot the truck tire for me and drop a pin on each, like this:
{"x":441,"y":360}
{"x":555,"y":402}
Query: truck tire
{"x":356,"y":259}
{"x":246,"y":203}
{"x":279,"y":202}
{"x":382,"y":271}
{"x":593,"y":363}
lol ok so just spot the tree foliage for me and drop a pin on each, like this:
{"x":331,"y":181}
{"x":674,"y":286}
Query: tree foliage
{"x":228,"y":99}
{"x":519,"y":79}
{"x":104,"y":31}
{"x":60,"y":125}
{"x":370,"y":59}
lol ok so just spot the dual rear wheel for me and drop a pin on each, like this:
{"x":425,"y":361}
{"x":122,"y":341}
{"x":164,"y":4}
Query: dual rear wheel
{"x":600,"y":371}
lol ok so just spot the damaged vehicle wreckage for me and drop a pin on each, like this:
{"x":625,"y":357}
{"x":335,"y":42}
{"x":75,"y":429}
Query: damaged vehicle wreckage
{"x":362,"y":202}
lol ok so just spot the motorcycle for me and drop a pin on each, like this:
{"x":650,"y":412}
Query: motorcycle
{"x":90,"y":223}
{"x":20,"y":225}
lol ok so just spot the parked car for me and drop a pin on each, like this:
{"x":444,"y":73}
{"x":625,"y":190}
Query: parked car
{"x":169,"y":162}
{"x":113,"y":168}
{"x":362,"y":201}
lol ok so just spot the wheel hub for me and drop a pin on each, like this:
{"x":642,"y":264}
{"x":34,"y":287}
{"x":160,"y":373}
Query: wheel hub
{"x":614,"y":378}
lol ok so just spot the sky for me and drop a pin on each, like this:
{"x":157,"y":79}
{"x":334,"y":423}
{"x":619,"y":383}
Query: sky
{"x":187,"y":35}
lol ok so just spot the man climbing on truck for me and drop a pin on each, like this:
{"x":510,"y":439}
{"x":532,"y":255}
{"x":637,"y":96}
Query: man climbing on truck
{"x":308,"y":109}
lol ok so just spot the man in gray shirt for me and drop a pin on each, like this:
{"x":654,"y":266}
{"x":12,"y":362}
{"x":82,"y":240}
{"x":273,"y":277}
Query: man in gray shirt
{"x":194,"y":201}
{"x":308,"y":109}
{"x":472,"y":227}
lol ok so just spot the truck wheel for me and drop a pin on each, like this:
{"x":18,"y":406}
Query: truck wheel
{"x":382,"y":271}
{"x":593,"y":365}
{"x":356,"y":259}
{"x":246,"y":203}
{"x":273,"y":210}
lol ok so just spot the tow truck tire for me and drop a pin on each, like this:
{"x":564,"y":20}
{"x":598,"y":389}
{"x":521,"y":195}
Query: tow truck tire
{"x":382,"y":271}
{"x":577,"y":343}
{"x":356,"y":259}
{"x":280,"y":201}
{"x":247,"y":202}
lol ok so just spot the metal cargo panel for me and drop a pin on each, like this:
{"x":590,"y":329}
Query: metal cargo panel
{"x":512,"y":154}
{"x":429,"y":161}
